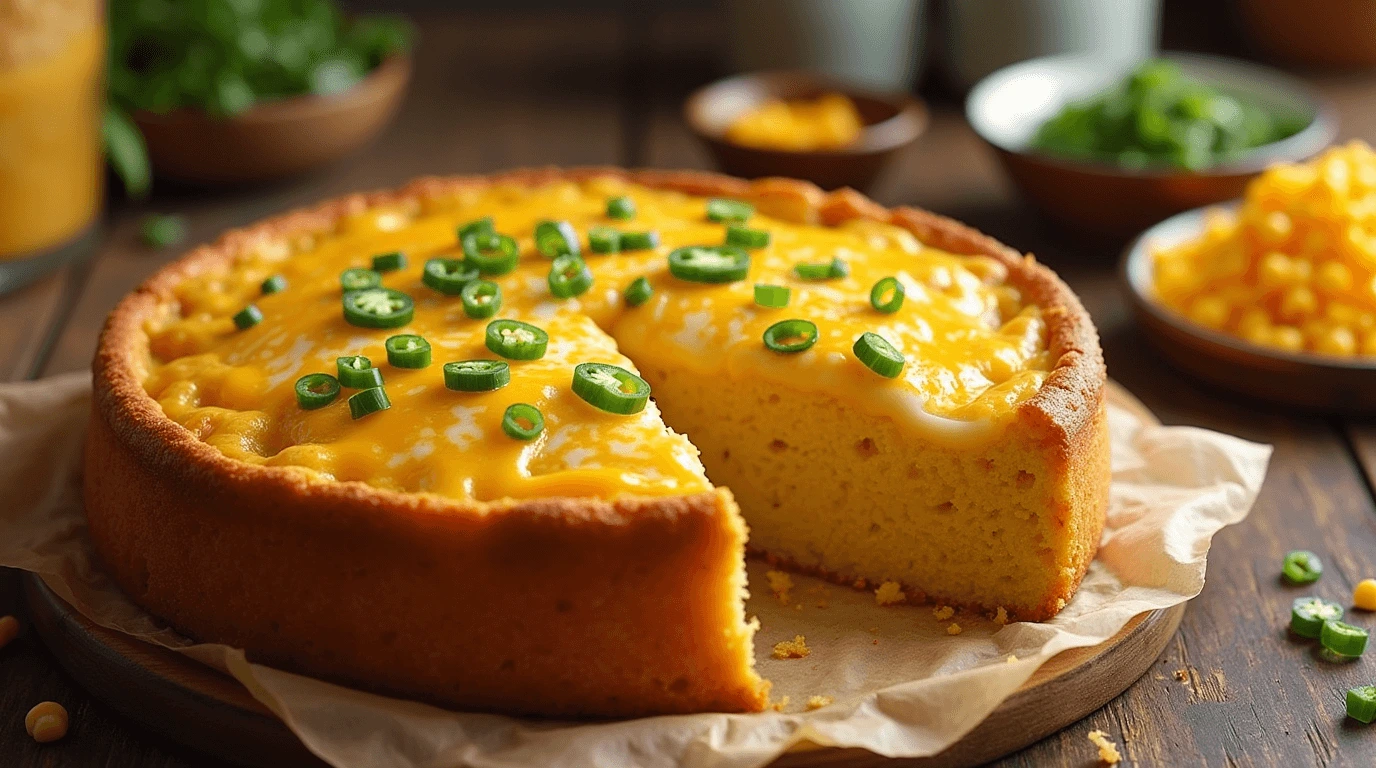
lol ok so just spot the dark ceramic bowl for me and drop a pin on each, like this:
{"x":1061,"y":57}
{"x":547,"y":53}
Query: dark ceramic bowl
{"x":1101,"y":199}
{"x":1310,"y":381}
{"x":275,"y":139}
{"x":892,"y":121}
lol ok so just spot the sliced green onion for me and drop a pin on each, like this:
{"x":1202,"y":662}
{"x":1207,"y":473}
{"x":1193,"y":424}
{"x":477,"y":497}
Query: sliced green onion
{"x":790,"y":336}
{"x":745,"y":237}
{"x":358,"y":279}
{"x":407,"y":351}
{"x":772,"y":296}
{"x":604,"y":240}
{"x":481,"y":226}
{"x":892,"y":289}
{"x":274,"y":284}
{"x":491,"y":253}
{"x":378,"y":308}
{"x":721,"y":209}
{"x":638,"y":292}
{"x":160,"y":230}
{"x":477,"y":375}
{"x":1361,"y":703}
{"x":826,"y":270}
{"x":610,"y":388}
{"x":556,"y":238}
{"x":448,"y":276}
{"x":516,"y":340}
{"x":523,"y":421}
{"x":367,"y":402}
{"x":1307,"y":615}
{"x":389,"y":262}
{"x":316,"y":390}
{"x":639,"y":241}
{"x":481,"y":299}
{"x":1302,"y":567}
{"x":357,"y":372}
{"x":709,"y":263}
{"x":247,"y":317}
{"x":569,"y":276}
{"x":878,"y":355}
{"x":1343,"y":639}
{"x":620,"y":208}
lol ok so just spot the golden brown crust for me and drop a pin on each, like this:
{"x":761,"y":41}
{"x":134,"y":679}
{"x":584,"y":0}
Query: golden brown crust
{"x":162,"y":503}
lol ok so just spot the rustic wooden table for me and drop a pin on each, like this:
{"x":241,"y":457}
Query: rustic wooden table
{"x":496,"y":91}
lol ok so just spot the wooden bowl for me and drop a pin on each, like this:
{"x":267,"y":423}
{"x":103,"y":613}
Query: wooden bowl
{"x":1339,"y":33}
{"x":1310,"y":381}
{"x":275,"y":139}
{"x":1105,"y":200}
{"x":892,"y":121}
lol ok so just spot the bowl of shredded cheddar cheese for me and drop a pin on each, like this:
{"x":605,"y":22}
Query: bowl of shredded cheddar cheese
{"x":1273,"y":295}
{"x":802,"y":125}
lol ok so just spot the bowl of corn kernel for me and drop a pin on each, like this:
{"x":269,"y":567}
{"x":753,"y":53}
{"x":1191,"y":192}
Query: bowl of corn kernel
{"x":1273,"y":295}
{"x":802,"y":125}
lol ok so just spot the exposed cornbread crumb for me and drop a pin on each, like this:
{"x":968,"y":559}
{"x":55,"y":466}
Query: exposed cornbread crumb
{"x":9,"y":629}
{"x":817,"y":702}
{"x":1012,"y":659}
{"x":780,"y":584}
{"x":1181,"y":675}
{"x":954,"y":629}
{"x":943,"y":612}
{"x":46,"y":722}
{"x":1000,"y":616}
{"x":889,"y":593}
{"x":779,"y":705}
{"x":792,"y":649}
{"x":1108,"y":751}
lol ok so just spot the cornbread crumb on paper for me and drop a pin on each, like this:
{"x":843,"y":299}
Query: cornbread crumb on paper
{"x":779,"y":705}
{"x":780,"y":584}
{"x":818,"y":701}
{"x":889,"y":593}
{"x":954,"y":629}
{"x":1108,"y":751}
{"x":943,"y":612}
{"x":1000,"y":616}
{"x":792,"y":649}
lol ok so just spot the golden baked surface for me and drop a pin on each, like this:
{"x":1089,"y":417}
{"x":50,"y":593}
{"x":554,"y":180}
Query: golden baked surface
{"x":974,"y":349}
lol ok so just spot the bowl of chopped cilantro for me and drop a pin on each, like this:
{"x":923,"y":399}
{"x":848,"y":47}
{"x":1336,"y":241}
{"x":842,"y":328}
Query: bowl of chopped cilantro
{"x":1109,"y":150}
{"x":241,"y":91}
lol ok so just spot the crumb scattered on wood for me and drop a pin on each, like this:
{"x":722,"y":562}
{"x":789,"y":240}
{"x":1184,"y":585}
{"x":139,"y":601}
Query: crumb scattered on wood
{"x":780,"y":584}
{"x":817,"y":702}
{"x":1000,"y":616}
{"x":954,"y":629}
{"x":889,"y":593}
{"x":792,"y":649}
{"x":943,"y":612}
{"x":1108,"y":751}
{"x":1182,"y":675}
{"x":1011,"y":659}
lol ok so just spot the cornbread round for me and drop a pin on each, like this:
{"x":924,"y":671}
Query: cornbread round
{"x":583,"y":605}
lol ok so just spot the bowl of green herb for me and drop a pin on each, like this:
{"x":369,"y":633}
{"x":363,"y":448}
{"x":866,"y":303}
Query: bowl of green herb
{"x":241,"y":91}
{"x":1109,"y":150}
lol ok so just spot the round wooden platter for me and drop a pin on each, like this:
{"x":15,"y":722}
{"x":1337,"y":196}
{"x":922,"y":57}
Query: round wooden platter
{"x":197,"y":706}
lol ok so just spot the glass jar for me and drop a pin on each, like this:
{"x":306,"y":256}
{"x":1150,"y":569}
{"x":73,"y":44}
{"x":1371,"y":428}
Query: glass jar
{"x":52,"y":97}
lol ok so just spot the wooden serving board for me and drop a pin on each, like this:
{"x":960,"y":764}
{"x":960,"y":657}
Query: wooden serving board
{"x":195,"y":705}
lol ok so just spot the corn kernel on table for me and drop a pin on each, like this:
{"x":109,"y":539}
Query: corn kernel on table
{"x":605,"y":87}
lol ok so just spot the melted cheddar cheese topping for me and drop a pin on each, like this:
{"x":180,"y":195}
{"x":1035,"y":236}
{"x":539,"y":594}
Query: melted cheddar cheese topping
{"x":974,"y":350}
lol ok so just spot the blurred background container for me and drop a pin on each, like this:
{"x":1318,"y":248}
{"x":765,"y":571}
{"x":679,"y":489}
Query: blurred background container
{"x":52,"y":62}
{"x":1323,"y":33}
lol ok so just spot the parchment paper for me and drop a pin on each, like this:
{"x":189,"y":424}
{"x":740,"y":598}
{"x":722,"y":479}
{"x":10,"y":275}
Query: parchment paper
{"x":902,"y":685}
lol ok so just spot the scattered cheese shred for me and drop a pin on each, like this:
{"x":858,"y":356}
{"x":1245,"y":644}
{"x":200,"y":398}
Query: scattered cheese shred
{"x":889,"y":593}
{"x":792,"y":649}
{"x":780,"y":584}
{"x":1108,"y":751}
{"x":954,"y":629}
{"x":943,"y":612}
{"x":817,"y":702}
